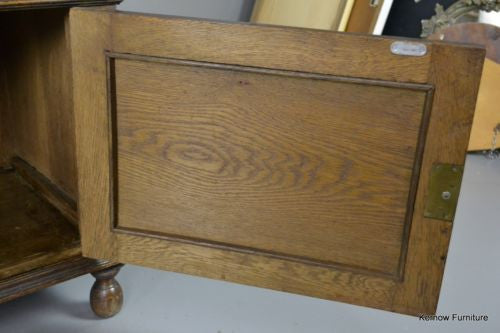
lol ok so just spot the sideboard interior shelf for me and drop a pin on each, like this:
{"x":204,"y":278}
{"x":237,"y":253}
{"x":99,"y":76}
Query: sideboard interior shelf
{"x":33,"y":233}
{"x":39,"y":234}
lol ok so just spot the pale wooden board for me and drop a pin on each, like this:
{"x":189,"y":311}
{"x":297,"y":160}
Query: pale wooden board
{"x":487,"y":115}
{"x":317,"y":14}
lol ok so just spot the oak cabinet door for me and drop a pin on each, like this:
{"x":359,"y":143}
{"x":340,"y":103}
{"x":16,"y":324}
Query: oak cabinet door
{"x":292,"y":159}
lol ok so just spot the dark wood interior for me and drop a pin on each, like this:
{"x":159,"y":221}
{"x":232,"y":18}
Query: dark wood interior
{"x":32,"y":233}
{"x":37,"y":142}
{"x":36,"y":99}
{"x":39,"y":235}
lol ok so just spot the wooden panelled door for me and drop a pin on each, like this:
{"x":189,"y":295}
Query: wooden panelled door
{"x":291,"y":159}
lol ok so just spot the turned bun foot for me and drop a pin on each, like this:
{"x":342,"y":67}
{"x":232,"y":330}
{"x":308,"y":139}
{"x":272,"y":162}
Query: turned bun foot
{"x":106,"y":295}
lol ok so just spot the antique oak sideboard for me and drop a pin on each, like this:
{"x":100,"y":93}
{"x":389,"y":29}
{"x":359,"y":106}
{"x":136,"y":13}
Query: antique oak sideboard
{"x":308,"y":161}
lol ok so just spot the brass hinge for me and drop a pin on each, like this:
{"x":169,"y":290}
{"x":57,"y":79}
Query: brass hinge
{"x":444,"y":187}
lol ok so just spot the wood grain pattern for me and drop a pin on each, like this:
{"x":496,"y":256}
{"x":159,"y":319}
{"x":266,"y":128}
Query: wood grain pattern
{"x":304,"y":50}
{"x":48,"y":275}
{"x":37,"y":101}
{"x":487,"y":115}
{"x":33,"y":234}
{"x":9,"y":5}
{"x":47,"y":190}
{"x":92,"y":129}
{"x":453,"y":72}
{"x":255,"y":270}
{"x":456,"y":72}
{"x":39,"y":247}
{"x":231,"y":157}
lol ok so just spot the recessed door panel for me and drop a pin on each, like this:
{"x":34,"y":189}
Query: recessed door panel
{"x":296,"y":165}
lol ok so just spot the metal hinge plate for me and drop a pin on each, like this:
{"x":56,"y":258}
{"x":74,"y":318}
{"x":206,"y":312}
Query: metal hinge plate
{"x":444,"y":187}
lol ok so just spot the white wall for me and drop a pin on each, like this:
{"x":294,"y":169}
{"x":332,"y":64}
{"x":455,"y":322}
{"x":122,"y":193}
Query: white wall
{"x":227,"y":10}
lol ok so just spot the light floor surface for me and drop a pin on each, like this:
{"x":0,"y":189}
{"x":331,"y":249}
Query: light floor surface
{"x":157,"y":301}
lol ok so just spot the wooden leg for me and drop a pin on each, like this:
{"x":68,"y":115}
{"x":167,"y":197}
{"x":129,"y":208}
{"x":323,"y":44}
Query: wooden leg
{"x":106,"y":295}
